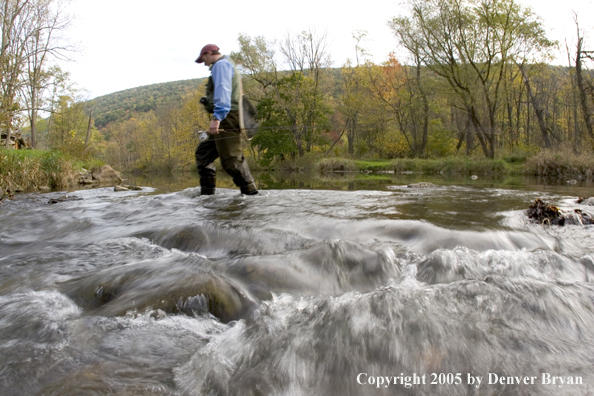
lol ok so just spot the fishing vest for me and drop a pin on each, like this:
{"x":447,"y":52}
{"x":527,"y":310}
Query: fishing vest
{"x":235,"y":88}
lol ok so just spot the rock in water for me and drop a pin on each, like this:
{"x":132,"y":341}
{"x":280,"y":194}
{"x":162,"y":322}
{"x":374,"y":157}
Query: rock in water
{"x":586,"y":201}
{"x":542,"y":212}
{"x":64,"y":198}
{"x":422,"y":185}
{"x":106,"y":174}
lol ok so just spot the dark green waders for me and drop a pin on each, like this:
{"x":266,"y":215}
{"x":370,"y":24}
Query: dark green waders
{"x":227,"y":145}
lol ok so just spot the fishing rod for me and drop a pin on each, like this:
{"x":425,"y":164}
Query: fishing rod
{"x":205,"y":135}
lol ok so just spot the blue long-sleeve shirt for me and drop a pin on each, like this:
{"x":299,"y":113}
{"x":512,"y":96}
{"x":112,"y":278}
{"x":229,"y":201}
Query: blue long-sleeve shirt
{"x":222,"y":76}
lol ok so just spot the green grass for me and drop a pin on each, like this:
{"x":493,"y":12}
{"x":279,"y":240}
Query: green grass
{"x":448,"y":166}
{"x":29,"y":170}
{"x":374,"y":165}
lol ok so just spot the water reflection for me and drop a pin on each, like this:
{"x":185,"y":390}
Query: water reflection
{"x":368,"y":181}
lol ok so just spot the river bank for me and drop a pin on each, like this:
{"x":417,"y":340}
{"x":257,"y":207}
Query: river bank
{"x":34,"y":170}
{"x":40,"y":170}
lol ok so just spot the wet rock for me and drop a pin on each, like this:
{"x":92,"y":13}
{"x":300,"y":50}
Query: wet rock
{"x":86,"y":179}
{"x":187,"y":239}
{"x":106,"y":174}
{"x":125,"y":187}
{"x":135,"y":188}
{"x":64,"y":198}
{"x":577,"y":217}
{"x":174,"y":290}
{"x":586,"y":201}
{"x":543,"y":213}
{"x":422,"y":185}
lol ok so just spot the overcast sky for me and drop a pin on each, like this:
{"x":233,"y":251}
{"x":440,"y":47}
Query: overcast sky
{"x":128,"y":43}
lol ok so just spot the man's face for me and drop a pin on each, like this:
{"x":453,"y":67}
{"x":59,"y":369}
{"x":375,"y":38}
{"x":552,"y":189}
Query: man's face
{"x":207,"y":58}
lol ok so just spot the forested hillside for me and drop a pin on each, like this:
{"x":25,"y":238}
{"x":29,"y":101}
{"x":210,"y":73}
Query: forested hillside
{"x":487,"y":91}
{"x":119,"y":106}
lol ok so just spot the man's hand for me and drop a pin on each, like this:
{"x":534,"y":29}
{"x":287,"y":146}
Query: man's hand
{"x":214,"y":127}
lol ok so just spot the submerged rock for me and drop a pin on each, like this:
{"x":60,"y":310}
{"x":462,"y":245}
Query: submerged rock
{"x":586,"y":201}
{"x":64,"y":198}
{"x":422,"y":185}
{"x":125,"y":187}
{"x":173,"y":290}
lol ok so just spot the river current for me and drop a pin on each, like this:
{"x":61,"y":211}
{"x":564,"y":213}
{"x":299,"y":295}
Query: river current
{"x":447,"y":290}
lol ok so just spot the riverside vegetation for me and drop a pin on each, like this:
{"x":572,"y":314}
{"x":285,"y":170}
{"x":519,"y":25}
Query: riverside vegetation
{"x":30,"y":170}
{"x":491,"y":105}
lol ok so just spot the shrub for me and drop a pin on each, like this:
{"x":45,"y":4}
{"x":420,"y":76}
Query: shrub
{"x":562,"y":161}
{"x":336,"y":164}
{"x":30,"y":169}
{"x":452,"y":165}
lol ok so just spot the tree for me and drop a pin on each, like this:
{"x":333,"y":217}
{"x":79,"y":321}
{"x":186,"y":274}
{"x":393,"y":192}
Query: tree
{"x":540,"y":111}
{"x":472,"y":44}
{"x":405,"y":98}
{"x":68,"y":125}
{"x":583,"y":85}
{"x":49,"y":20}
{"x":353,"y":96}
{"x":29,"y":40}
{"x":16,"y":31}
{"x":294,"y":97}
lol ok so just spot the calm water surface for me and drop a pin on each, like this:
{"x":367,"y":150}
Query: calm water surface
{"x":332,"y":286}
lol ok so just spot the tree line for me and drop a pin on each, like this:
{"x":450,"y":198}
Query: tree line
{"x":30,"y":81}
{"x":474,"y":79}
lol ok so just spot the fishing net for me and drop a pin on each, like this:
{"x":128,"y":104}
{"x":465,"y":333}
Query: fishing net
{"x":250,"y":124}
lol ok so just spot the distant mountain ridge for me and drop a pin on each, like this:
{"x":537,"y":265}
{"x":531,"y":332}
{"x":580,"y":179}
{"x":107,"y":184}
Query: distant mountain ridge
{"x":121,"y":105}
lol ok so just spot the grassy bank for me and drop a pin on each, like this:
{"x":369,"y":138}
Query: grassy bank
{"x":563,"y":162}
{"x":449,"y":166}
{"x":30,"y":170}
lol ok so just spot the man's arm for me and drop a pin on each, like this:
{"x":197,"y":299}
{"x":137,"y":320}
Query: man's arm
{"x":222,"y":74}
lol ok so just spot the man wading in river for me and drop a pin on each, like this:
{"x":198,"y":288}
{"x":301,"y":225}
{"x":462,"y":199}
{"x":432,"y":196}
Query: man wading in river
{"x":223,"y":95}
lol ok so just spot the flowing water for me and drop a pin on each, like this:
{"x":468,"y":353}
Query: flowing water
{"x":438,"y":291}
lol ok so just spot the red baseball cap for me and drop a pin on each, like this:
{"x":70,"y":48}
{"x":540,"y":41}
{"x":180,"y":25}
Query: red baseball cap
{"x":205,"y":49}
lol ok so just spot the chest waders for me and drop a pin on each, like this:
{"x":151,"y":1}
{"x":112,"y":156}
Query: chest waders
{"x":226,"y":144}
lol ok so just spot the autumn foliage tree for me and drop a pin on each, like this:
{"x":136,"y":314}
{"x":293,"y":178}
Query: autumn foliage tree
{"x":472,"y":44}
